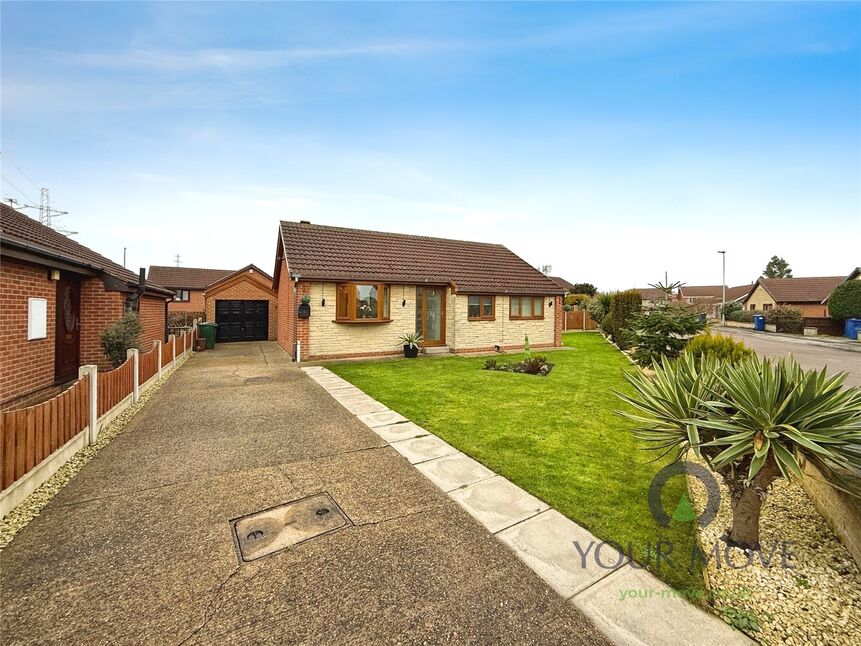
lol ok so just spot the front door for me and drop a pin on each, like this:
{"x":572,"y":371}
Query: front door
{"x":68,"y":325}
{"x":430,"y":314}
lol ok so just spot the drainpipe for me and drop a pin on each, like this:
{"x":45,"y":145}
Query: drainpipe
{"x":296,"y":345}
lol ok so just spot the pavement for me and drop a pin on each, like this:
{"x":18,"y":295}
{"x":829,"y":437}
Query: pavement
{"x":808,"y":351}
{"x":139,"y":546}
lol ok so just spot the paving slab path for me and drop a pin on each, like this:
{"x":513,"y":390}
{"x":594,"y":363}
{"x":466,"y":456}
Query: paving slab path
{"x":139,"y":548}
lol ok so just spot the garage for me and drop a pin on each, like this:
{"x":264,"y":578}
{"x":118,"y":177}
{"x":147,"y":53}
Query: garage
{"x":242,"y":320}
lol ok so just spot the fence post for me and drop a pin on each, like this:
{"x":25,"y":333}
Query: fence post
{"x":171,"y":338}
{"x":93,"y":413}
{"x":157,"y":346}
{"x":134,"y":353}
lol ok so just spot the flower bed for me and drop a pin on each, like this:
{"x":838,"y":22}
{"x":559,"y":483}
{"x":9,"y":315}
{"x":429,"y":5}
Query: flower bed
{"x":534,"y":365}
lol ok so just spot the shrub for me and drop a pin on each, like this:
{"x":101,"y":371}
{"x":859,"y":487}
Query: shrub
{"x":598,"y":306}
{"x":787,"y":318}
{"x":753,"y":423}
{"x":663,"y":332}
{"x":530,"y":365}
{"x":576,"y":299}
{"x":121,"y":336}
{"x":845,"y":301}
{"x":733,"y":309}
{"x":624,"y":307}
{"x":722,"y":348}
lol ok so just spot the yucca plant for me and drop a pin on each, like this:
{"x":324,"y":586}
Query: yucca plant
{"x":752,"y":422}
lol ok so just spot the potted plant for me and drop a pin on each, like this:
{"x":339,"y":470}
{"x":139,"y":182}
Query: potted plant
{"x":305,"y":307}
{"x":411,"y":341}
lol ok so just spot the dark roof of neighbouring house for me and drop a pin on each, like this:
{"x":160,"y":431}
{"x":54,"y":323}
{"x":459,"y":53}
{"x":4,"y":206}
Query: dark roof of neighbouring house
{"x":318,"y":252}
{"x":564,"y":284}
{"x":21,"y":231}
{"x":243,"y":270}
{"x":813,"y":289}
{"x":186,"y":277}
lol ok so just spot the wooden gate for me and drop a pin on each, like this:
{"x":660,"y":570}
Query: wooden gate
{"x":579,"y":320}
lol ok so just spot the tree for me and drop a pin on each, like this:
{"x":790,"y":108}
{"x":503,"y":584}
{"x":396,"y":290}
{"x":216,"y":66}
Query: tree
{"x":845,"y":301}
{"x":664,"y":330}
{"x":584,"y":288}
{"x":777,"y":268}
{"x":120,"y":336}
{"x":752,"y":423}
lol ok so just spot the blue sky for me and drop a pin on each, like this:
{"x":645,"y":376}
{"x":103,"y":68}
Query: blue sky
{"x":612,"y":141}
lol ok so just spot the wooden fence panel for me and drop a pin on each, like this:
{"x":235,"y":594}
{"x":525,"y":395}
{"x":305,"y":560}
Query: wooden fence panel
{"x":574,"y":320}
{"x":148,"y":365}
{"x":825,"y":325}
{"x":116,"y":385}
{"x":167,"y":353}
{"x":32,"y":434}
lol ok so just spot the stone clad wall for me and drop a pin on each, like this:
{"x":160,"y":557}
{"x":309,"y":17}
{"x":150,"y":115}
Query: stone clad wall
{"x":483,"y":335}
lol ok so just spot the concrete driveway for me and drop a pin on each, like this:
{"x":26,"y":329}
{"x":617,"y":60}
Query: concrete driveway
{"x":138,"y":547}
{"x":808,"y":353}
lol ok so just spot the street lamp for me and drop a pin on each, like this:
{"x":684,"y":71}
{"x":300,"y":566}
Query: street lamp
{"x":723,"y":289}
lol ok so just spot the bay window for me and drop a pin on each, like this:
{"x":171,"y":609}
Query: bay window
{"x":360,"y":302}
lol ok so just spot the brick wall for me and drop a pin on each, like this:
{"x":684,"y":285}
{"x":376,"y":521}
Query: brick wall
{"x":194,"y":304}
{"x":248,"y":286}
{"x":99,"y":308}
{"x":26,"y":367}
{"x":558,"y":320}
{"x":152,"y":316}
{"x":286,"y":310}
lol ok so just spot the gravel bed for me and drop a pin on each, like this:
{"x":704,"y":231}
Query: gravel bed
{"x":33,"y":504}
{"x":817,"y":601}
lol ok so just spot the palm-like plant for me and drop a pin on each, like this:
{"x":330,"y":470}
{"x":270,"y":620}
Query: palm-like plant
{"x":752,"y":422}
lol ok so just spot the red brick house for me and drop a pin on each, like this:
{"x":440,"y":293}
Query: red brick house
{"x":366,"y":288}
{"x":57,"y":297}
{"x":244,"y":306}
{"x":187,"y":285}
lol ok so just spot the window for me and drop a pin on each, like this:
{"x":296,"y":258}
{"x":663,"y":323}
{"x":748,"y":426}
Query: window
{"x":766,"y":307}
{"x":362,"y":302}
{"x":753,"y":307}
{"x":527,"y":307}
{"x":181,"y":295}
{"x":481,"y":308}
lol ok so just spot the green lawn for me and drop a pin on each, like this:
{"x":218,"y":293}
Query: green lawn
{"x":555,"y":436}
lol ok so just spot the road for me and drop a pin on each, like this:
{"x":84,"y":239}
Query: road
{"x":809,"y":355}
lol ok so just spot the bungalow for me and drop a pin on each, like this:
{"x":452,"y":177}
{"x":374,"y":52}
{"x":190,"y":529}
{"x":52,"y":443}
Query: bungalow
{"x":57,"y":297}
{"x":564,"y":284}
{"x":808,"y":294}
{"x":244,"y":306}
{"x":187,"y":285}
{"x":361,"y":290}
{"x":708,"y":298}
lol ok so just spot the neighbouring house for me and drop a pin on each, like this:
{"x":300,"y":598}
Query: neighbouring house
{"x":187,"y":285}
{"x":57,"y":297}
{"x":708,"y":298}
{"x":810,"y":294}
{"x":366,"y":288}
{"x":652,"y":296}
{"x":244,"y":306}
{"x":564,"y":284}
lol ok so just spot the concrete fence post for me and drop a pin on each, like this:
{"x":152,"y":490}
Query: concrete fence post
{"x":172,"y":340}
{"x":93,"y":413}
{"x":157,"y":345}
{"x":134,"y":354}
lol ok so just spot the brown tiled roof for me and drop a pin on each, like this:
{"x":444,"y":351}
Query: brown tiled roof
{"x":333,"y":253}
{"x":701,"y":291}
{"x":243,"y":270}
{"x":564,"y":284}
{"x":734,"y":293}
{"x":652,"y":293}
{"x":21,"y":231}
{"x":185,"y":277}
{"x":801,"y":290}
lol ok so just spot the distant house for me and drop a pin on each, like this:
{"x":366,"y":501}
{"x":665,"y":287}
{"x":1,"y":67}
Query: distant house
{"x":57,"y":298}
{"x":708,"y":298}
{"x":244,"y":306}
{"x":186,"y":283}
{"x":364,"y":289}
{"x":564,"y":284}
{"x":809,"y":294}
{"x":652,"y":296}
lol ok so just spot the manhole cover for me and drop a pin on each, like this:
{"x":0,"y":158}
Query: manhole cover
{"x":280,"y":527}
{"x":258,"y":380}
